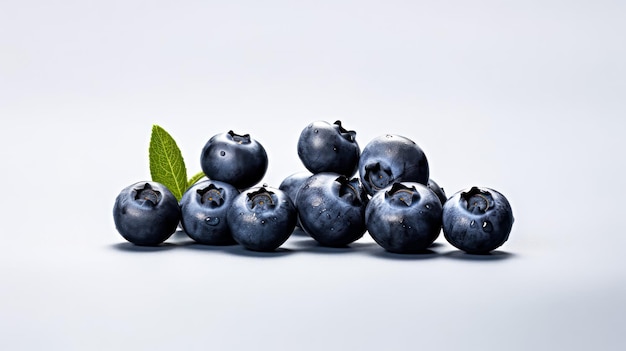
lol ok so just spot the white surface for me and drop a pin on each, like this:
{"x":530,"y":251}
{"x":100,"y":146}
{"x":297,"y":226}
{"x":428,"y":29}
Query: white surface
{"x":526,"y":97}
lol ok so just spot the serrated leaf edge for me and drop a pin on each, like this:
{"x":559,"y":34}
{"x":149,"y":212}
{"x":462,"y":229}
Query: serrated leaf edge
{"x":177,"y":182}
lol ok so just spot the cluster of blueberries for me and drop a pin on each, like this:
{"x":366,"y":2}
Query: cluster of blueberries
{"x":393,"y":198}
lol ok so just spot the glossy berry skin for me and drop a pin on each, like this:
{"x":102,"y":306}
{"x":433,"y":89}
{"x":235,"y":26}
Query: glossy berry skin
{"x":261,"y":218}
{"x":477,"y":220}
{"x":331,"y":209}
{"x":404,"y":217}
{"x":235,"y":159}
{"x":291,"y":184}
{"x":441,"y":194}
{"x":203,"y":208}
{"x":146,"y":213}
{"x":325,"y":147}
{"x":390,"y":158}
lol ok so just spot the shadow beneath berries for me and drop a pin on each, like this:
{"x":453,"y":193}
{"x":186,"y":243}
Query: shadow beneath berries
{"x":236,"y":249}
{"x":412,"y":256}
{"x":241,"y":251}
{"x":203,"y":247}
{"x":421,"y":255}
{"x":311,"y":245}
{"x":491,"y":256}
{"x":435,"y":245}
{"x":130,"y":247}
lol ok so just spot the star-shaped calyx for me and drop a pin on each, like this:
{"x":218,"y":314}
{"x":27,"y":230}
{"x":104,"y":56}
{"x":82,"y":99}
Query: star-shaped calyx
{"x":261,"y":199}
{"x":146,"y":195}
{"x":239,"y":139}
{"x":477,"y":201}
{"x":401,"y":194}
{"x":350,"y":191}
{"x":378,"y":176}
{"x":211,"y":196}
{"x":349,"y":135}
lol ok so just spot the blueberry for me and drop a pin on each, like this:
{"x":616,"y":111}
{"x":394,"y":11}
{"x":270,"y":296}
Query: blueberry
{"x":441,"y":194}
{"x":331,"y":209}
{"x":146,"y":213}
{"x":291,"y":184}
{"x":391,"y":158}
{"x":477,"y":220}
{"x":261,"y":218}
{"x":204,"y":208}
{"x":325,"y":147}
{"x":235,"y":159}
{"x":404,"y":217}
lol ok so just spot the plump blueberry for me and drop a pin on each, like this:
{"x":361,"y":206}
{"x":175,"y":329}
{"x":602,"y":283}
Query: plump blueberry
{"x":477,"y":220}
{"x":146,"y":213}
{"x":203,"y":208}
{"x":404,"y":217}
{"x":331,"y":209}
{"x":391,"y":158}
{"x":441,"y":194}
{"x":235,"y":159}
{"x":261,"y":218}
{"x":325,"y":147}
{"x":291,"y":184}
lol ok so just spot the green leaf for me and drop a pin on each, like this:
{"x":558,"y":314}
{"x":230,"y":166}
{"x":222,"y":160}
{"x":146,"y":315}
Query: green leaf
{"x":166,"y":162}
{"x":193,"y":180}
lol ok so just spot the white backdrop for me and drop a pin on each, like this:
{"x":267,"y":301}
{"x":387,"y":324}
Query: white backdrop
{"x":526,"y":97}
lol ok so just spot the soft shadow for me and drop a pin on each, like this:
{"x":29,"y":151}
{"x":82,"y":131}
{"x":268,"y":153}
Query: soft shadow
{"x":203,"y":247}
{"x":177,"y":239}
{"x":242,"y":251}
{"x":130,"y":247}
{"x":311,"y":245}
{"x":421,"y":255}
{"x":235,"y":249}
{"x":491,"y":256}
{"x":435,"y":245}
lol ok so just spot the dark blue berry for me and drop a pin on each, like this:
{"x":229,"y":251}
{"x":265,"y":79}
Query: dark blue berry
{"x":291,"y":185}
{"x":331,"y":209}
{"x":477,"y":220}
{"x":146,"y":213}
{"x":325,"y":147}
{"x":404,"y":217}
{"x":261,"y":218}
{"x":235,"y":159}
{"x":388,"y":159}
{"x":441,"y":194}
{"x":204,"y":207}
